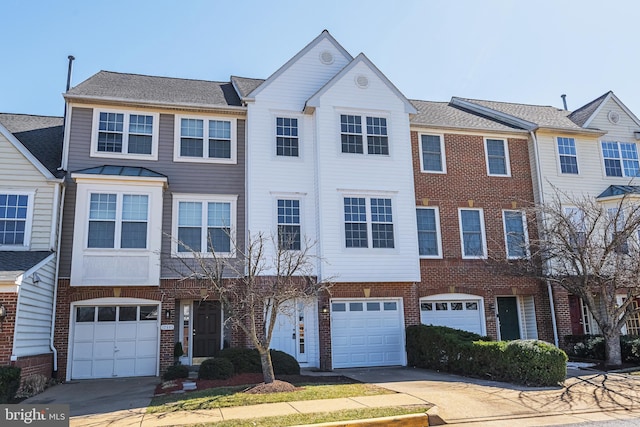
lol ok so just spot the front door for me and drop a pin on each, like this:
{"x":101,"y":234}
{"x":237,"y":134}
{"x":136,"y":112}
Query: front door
{"x":575,"y":314}
{"x":290,"y":330}
{"x":508,"y":318}
{"x":206,"y":328}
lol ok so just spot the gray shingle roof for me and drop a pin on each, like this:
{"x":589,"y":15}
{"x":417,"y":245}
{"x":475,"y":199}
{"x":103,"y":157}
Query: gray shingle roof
{"x":542,"y":115}
{"x":582,"y":114}
{"x":441,"y":114}
{"x":153,"y":89}
{"x":41,"y":135}
{"x":245,"y":85}
{"x":619,"y":190}
{"x":14,"y":263}
{"x":121,"y":171}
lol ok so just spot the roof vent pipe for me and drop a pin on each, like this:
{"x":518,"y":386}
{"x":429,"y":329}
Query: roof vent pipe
{"x":564,"y":101}
{"x":71,"y":58}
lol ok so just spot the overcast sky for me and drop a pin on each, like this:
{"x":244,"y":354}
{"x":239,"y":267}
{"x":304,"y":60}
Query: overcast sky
{"x":515,"y":51}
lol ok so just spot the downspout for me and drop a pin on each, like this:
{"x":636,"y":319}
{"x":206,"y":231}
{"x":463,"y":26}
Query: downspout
{"x":55,"y":286}
{"x":552,"y":304}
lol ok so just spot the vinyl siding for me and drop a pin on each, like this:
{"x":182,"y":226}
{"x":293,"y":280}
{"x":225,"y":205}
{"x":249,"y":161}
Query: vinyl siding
{"x":34,"y":313}
{"x":18,"y":173}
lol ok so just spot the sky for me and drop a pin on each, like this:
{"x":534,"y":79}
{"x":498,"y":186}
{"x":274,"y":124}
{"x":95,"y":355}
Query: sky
{"x":527,"y":52}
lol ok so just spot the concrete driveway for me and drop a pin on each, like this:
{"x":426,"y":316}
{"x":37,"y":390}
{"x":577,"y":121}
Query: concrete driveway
{"x":87,"y":398}
{"x":585,"y":396}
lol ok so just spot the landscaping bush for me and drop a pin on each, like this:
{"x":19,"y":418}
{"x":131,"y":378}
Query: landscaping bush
{"x":32,"y":385}
{"x":9,"y":383}
{"x":217,"y":368}
{"x":593,"y":347}
{"x":247,"y":360}
{"x":529,"y":362}
{"x":176,"y":371}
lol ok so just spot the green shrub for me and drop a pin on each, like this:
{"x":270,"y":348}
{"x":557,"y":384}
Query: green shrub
{"x":529,"y":362}
{"x":217,"y":368}
{"x":9,"y":383}
{"x":630,"y":346}
{"x":593,"y":347}
{"x":176,"y":371}
{"x":247,"y":360}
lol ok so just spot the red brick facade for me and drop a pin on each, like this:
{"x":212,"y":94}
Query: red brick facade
{"x":466,"y":184}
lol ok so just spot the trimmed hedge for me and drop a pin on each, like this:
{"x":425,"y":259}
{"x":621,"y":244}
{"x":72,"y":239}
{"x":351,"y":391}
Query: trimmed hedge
{"x":217,"y":368}
{"x":176,"y":371}
{"x":248,"y":360}
{"x":593,"y":347}
{"x":529,"y":362}
{"x":9,"y":383}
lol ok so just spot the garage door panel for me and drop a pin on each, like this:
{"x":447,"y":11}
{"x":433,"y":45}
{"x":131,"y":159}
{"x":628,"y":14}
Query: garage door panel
{"x":105,"y":330}
{"x":146,"y":349}
{"x":146,"y":366}
{"x":84,"y":331}
{"x":374,"y":336}
{"x":127,"y":331}
{"x":442,"y":313}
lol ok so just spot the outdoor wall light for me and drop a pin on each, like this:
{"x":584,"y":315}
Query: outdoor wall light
{"x":325,"y":309}
{"x":3,"y":313}
{"x":167,"y":314}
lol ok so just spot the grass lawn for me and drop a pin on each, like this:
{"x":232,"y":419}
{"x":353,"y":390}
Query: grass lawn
{"x":225,"y":397}
{"x":344,"y":415}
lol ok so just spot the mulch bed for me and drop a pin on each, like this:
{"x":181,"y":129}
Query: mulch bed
{"x":250,"y":380}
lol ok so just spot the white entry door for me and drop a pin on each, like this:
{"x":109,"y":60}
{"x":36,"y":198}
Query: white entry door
{"x":294,"y":331}
{"x":114,"y":341}
{"x":367,"y":332}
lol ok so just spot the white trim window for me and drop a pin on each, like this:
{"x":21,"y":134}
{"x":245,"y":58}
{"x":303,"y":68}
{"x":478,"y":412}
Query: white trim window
{"x":432,"y":156}
{"x":567,"y":155}
{"x":205,"y":139}
{"x":118,"y":221}
{"x":620,"y":158}
{"x":578,"y":234}
{"x":353,"y":133}
{"x":472,"y":234}
{"x":429,"y":237}
{"x":515,"y":234}
{"x":287,"y":141}
{"x":16,"y":216}
{"x":616,"y":228}
{"x":362,"y":214}
{"x":124,"y":134}
{"x":497,"y":156}
{"x":289,"y":237}
{"x":203,"y":225}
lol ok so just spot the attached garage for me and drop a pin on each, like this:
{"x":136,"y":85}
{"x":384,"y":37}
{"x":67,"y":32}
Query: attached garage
{"x":367,"y":332}
{"x":114,"y":340}
{"x":459,"y":311}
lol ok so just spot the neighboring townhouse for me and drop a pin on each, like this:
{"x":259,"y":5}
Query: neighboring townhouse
{"x":473,"y":182}
{"x":31,"y":189}
{"x":591,"y":151}
{"x":329,"y":163}
{"x":151,"y":162}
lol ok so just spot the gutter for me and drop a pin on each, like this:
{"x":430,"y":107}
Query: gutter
{"x":552,"y":304}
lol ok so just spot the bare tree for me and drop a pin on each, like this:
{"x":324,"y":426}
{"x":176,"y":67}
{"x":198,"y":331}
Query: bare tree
{"x":254,"y":287}
{"x":591,"y":248}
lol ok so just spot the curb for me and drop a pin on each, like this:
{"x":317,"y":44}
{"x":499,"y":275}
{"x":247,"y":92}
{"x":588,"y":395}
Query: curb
{"x":410,"y":420}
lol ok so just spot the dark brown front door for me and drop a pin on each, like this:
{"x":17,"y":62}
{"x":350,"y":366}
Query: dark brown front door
{"x":575,"y":314}
{"x":206,"y":328}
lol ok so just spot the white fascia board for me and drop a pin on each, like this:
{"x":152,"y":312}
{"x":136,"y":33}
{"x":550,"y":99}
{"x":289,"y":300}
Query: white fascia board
{"x":110,"y":179}
{"x":38,"y":266}
{"x":26,"y":153}
{"x":597,"y":110}
{"x":314,"y":100}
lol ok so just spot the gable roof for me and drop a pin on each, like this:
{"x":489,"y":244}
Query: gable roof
{"x":15,"y":263}
{"x":137,"y":88}
{"x":324,"y":35}
{"x":530,"y":117}
{"x":445,"y":115}
{"x":38,"y":138}
{"x":314,"y":100}
{"x":244,"y":85}
{"x":585,"y":114}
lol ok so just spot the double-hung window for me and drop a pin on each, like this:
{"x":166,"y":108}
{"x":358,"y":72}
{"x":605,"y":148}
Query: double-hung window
{"x":289,"y":224}
{"x":472,"y":233}
{"x":568,"y":156}
{"x":353,"y":134}
{"x":429,"y":240}
{"x":616,"y":230}
{"x":15,"y":219}
{"x":497,"y":157}
{"x":118,"y":221}
{"x":287,"y":143}
{"x":515,"y":231}
{"x":620,"y":158}
{"x":125,"y":134}
{"x":577,"y":233}
{"x":204,"y":225}
{"x":368,"y":222}
{"x":432,"y":157}
{"x":201,"y":139}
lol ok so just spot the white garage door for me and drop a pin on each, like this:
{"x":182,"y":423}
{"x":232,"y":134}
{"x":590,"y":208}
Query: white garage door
{"x":367,"y":333}
{"x":458,"y":314}
{"x":115,"y":341}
